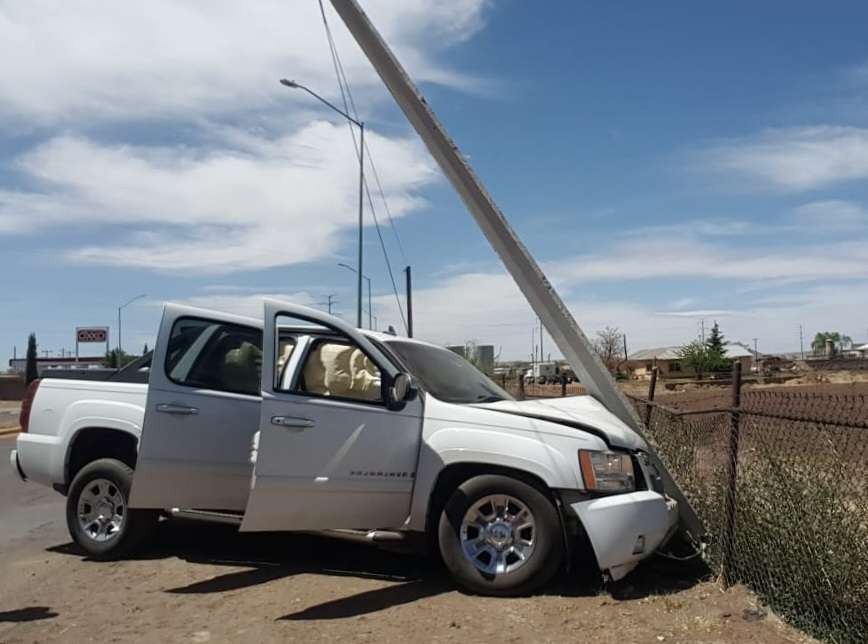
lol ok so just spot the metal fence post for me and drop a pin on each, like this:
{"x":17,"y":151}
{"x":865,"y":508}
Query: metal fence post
{"x":652,"y":386}
{"x":727,"y":563}
{"x":563,"y":385}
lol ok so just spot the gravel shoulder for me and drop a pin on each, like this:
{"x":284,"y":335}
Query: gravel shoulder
{"x":205,"y":583}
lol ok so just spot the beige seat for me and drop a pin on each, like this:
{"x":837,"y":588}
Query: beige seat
{"x":334,"y":369}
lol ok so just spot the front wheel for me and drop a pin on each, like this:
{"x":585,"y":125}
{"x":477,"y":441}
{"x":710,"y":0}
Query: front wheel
{"x":98,"y":514}
{"x":500,"y":536}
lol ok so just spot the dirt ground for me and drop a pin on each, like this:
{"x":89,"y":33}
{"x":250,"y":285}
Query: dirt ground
{"x":206,"y":583}
{"x":9,"y":411}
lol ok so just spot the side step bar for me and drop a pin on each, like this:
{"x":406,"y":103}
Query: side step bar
{"x":362,"y":536}
{"x":204,"y":515}
{"x":369,"y":536}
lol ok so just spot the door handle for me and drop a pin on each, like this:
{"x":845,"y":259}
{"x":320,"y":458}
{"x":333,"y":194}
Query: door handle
{"x":174,"y":408}
{"x":291,"y":422}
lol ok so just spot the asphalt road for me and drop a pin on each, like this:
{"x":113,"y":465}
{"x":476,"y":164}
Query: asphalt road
{"x":25,"y":507}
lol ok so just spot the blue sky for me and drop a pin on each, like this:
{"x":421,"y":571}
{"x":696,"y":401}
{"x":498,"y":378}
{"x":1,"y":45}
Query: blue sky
{"x":664,"y":165}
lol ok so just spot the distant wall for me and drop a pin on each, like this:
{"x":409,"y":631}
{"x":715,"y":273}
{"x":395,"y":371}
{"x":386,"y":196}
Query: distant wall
{"x":11,"y":387}
{"x":837,"y":364}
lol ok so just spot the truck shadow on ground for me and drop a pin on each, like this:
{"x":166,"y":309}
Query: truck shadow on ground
{"x":29,"y":614}
{"x":268,"y":557}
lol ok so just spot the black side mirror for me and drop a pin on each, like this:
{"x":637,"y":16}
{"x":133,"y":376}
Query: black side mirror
{"x":402,"y":389}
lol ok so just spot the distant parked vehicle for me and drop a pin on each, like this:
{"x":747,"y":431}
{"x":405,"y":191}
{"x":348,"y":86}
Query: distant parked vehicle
{"x":315,"y":425}
{"x":542,"y":373}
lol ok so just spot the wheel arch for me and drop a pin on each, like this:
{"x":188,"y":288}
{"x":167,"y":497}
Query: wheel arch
{"x":94,"y":442}
{"x":454,"y":474}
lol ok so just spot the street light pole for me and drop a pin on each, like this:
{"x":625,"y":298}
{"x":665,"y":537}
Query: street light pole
{"x":409,"y":303}
{"x":370,"y":302}
{"x":121,"y":308}
{"x":361,"y":126}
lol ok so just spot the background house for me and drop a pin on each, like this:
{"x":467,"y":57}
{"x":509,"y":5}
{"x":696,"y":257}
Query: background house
{"x":670,"y":365}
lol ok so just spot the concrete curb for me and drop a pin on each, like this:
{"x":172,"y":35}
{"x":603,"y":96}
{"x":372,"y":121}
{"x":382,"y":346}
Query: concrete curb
{"x":8,"y":431}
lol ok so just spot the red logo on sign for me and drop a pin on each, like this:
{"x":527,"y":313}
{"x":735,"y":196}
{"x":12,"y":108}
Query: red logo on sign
{"x":92,"y":335}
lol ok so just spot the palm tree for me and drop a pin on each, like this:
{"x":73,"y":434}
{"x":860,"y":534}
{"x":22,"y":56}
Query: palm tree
{"x":837,"y":339}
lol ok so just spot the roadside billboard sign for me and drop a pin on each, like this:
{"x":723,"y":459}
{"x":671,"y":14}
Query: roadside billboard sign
{"x":91,"y":334}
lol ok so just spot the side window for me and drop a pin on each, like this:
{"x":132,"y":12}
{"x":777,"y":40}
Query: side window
{"x":337,"y":368}
{"x":215,"y":355}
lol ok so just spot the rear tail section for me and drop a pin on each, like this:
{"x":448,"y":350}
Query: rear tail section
{"x":27,"y":404}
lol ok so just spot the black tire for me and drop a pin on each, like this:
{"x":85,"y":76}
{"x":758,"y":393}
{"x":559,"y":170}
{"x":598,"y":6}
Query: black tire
{"x":543,"y":562}
{"x":137,"y":526}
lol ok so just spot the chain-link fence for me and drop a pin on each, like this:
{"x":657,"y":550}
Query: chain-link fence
{"x":781,"y":482}
{"x":522,"y":387}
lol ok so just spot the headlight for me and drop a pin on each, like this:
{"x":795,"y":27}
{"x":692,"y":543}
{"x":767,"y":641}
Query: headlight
{"x":607,"y":471}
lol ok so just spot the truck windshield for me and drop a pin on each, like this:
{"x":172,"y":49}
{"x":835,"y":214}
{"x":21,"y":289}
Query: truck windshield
{"x":446,"y":375}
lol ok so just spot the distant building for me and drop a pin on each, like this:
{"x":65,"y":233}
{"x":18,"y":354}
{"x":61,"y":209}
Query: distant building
{"x":670,"y":365}
{"x":19,"y":365}
{"x":484,"y":355}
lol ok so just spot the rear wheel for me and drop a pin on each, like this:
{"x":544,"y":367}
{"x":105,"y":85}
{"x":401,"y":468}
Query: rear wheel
{"x":98,"y":514}
{"x":500,"y":536}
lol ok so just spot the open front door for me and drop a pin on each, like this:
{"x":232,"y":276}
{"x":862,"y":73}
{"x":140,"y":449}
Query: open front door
{"x":332,"y":453}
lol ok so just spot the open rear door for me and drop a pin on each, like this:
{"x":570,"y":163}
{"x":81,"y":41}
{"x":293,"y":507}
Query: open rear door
{"x":332,"y":452}
{"x":201,"y":412}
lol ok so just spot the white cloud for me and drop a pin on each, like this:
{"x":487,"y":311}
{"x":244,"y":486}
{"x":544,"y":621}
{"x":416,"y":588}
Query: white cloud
{"x":488,"y":308}
{"x":698,"y":228}
{"x":88,"y":60}
{"x":270,"y":203}
{"x":249,"y":304}
{"x":279,"y":190}
{"x":698,"y":313}
{"x":832,"y":214}
{"x":673,"y":257}
{"x":795,"y":159}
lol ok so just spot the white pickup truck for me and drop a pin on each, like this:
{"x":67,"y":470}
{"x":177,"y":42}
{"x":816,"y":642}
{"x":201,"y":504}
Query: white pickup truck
{"x":300,"y":422}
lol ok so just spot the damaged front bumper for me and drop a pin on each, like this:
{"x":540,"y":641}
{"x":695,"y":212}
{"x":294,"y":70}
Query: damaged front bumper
{"x":624,"y":528}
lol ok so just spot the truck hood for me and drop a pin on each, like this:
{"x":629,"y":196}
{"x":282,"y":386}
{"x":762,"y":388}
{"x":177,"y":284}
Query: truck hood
{"x":581,"y":412}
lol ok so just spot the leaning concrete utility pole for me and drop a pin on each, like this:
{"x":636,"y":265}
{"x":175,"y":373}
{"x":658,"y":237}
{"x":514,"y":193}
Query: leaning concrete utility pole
{"x":546,"y":303}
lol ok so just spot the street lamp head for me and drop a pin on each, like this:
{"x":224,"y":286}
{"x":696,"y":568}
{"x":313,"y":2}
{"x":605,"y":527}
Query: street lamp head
{"x":289,"y":83}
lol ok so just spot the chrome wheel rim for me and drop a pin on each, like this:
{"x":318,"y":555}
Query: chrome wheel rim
{"x":498,"y":534}
{"x":101,"y":510}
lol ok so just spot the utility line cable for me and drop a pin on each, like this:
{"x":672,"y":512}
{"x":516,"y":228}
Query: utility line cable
{"x":350,"y":108}
{"x":342,"y":81}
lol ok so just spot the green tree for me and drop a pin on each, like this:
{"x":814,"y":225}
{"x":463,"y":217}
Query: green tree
{"x":116,"y":359}
{"x":716,"y":350}
{"x":694,"y":355}
{"x":715,"y":341}
{"x":838,"y":340}
{"x":700,"y":358}
{"x":31,"y":371}
{"x":145,"y":349}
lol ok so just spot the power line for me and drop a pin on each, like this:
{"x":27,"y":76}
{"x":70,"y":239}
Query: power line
{"x":348,"y":106}
{"x":342,"y":81}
